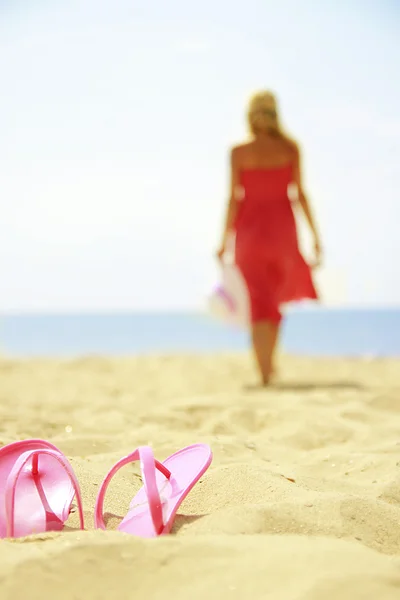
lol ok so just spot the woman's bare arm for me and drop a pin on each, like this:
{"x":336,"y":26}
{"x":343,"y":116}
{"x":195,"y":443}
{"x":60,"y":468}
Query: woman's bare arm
{"x":303,"y":201}
{"x":232,"y":206}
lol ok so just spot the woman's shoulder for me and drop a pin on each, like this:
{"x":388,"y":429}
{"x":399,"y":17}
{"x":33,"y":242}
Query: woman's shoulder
{"x":290,"y":143}
{"x":239,"y":153}
{"x":241,"y":148}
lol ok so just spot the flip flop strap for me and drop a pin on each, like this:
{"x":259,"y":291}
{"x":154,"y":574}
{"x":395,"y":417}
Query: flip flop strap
{"x":12,"y":480}
{"x":148,"y":465}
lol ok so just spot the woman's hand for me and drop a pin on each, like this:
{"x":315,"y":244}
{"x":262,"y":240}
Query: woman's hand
{"x":220,"y":252}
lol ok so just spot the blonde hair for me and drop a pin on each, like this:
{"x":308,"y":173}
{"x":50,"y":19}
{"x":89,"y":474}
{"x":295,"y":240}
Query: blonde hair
{"x":262,"y":113}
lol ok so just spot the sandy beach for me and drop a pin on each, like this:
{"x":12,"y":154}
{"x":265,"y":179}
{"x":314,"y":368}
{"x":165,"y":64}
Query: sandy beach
{"x":301,"y":502}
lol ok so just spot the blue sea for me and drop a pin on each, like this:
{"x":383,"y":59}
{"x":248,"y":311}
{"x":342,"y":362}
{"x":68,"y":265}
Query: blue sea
{"x":306,"y":331}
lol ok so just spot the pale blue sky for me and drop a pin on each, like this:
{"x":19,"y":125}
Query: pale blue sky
{"x":116,"y":121}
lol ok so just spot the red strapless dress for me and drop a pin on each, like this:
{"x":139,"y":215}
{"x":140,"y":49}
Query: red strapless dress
{"x":267,"y":251}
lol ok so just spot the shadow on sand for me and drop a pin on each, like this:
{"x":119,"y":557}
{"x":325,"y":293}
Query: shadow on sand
{"x":305,"y":386}
{"x":182,"y":520}
{"x":179,"y":521}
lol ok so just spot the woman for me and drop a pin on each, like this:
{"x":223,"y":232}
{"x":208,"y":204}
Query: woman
{"x":260,"y":214}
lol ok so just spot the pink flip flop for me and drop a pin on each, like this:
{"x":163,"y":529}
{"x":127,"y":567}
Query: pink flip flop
{"x":166,"y":485}
{"x":37,"y":487}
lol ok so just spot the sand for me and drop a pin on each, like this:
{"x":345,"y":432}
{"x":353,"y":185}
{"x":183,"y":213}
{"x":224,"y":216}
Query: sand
{"x":302,"y":500}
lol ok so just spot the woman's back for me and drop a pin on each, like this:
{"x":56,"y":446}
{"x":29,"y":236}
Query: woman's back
{"x":265,"y":219}
{"x":267,"y":185}
{"x":266,"y":153}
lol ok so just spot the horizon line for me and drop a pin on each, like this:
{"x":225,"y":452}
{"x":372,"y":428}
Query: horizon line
{"x":183,"y":311}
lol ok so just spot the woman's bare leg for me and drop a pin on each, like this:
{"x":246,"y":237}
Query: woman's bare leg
{"x":276,"y":335}
{"x":265,"y":335}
